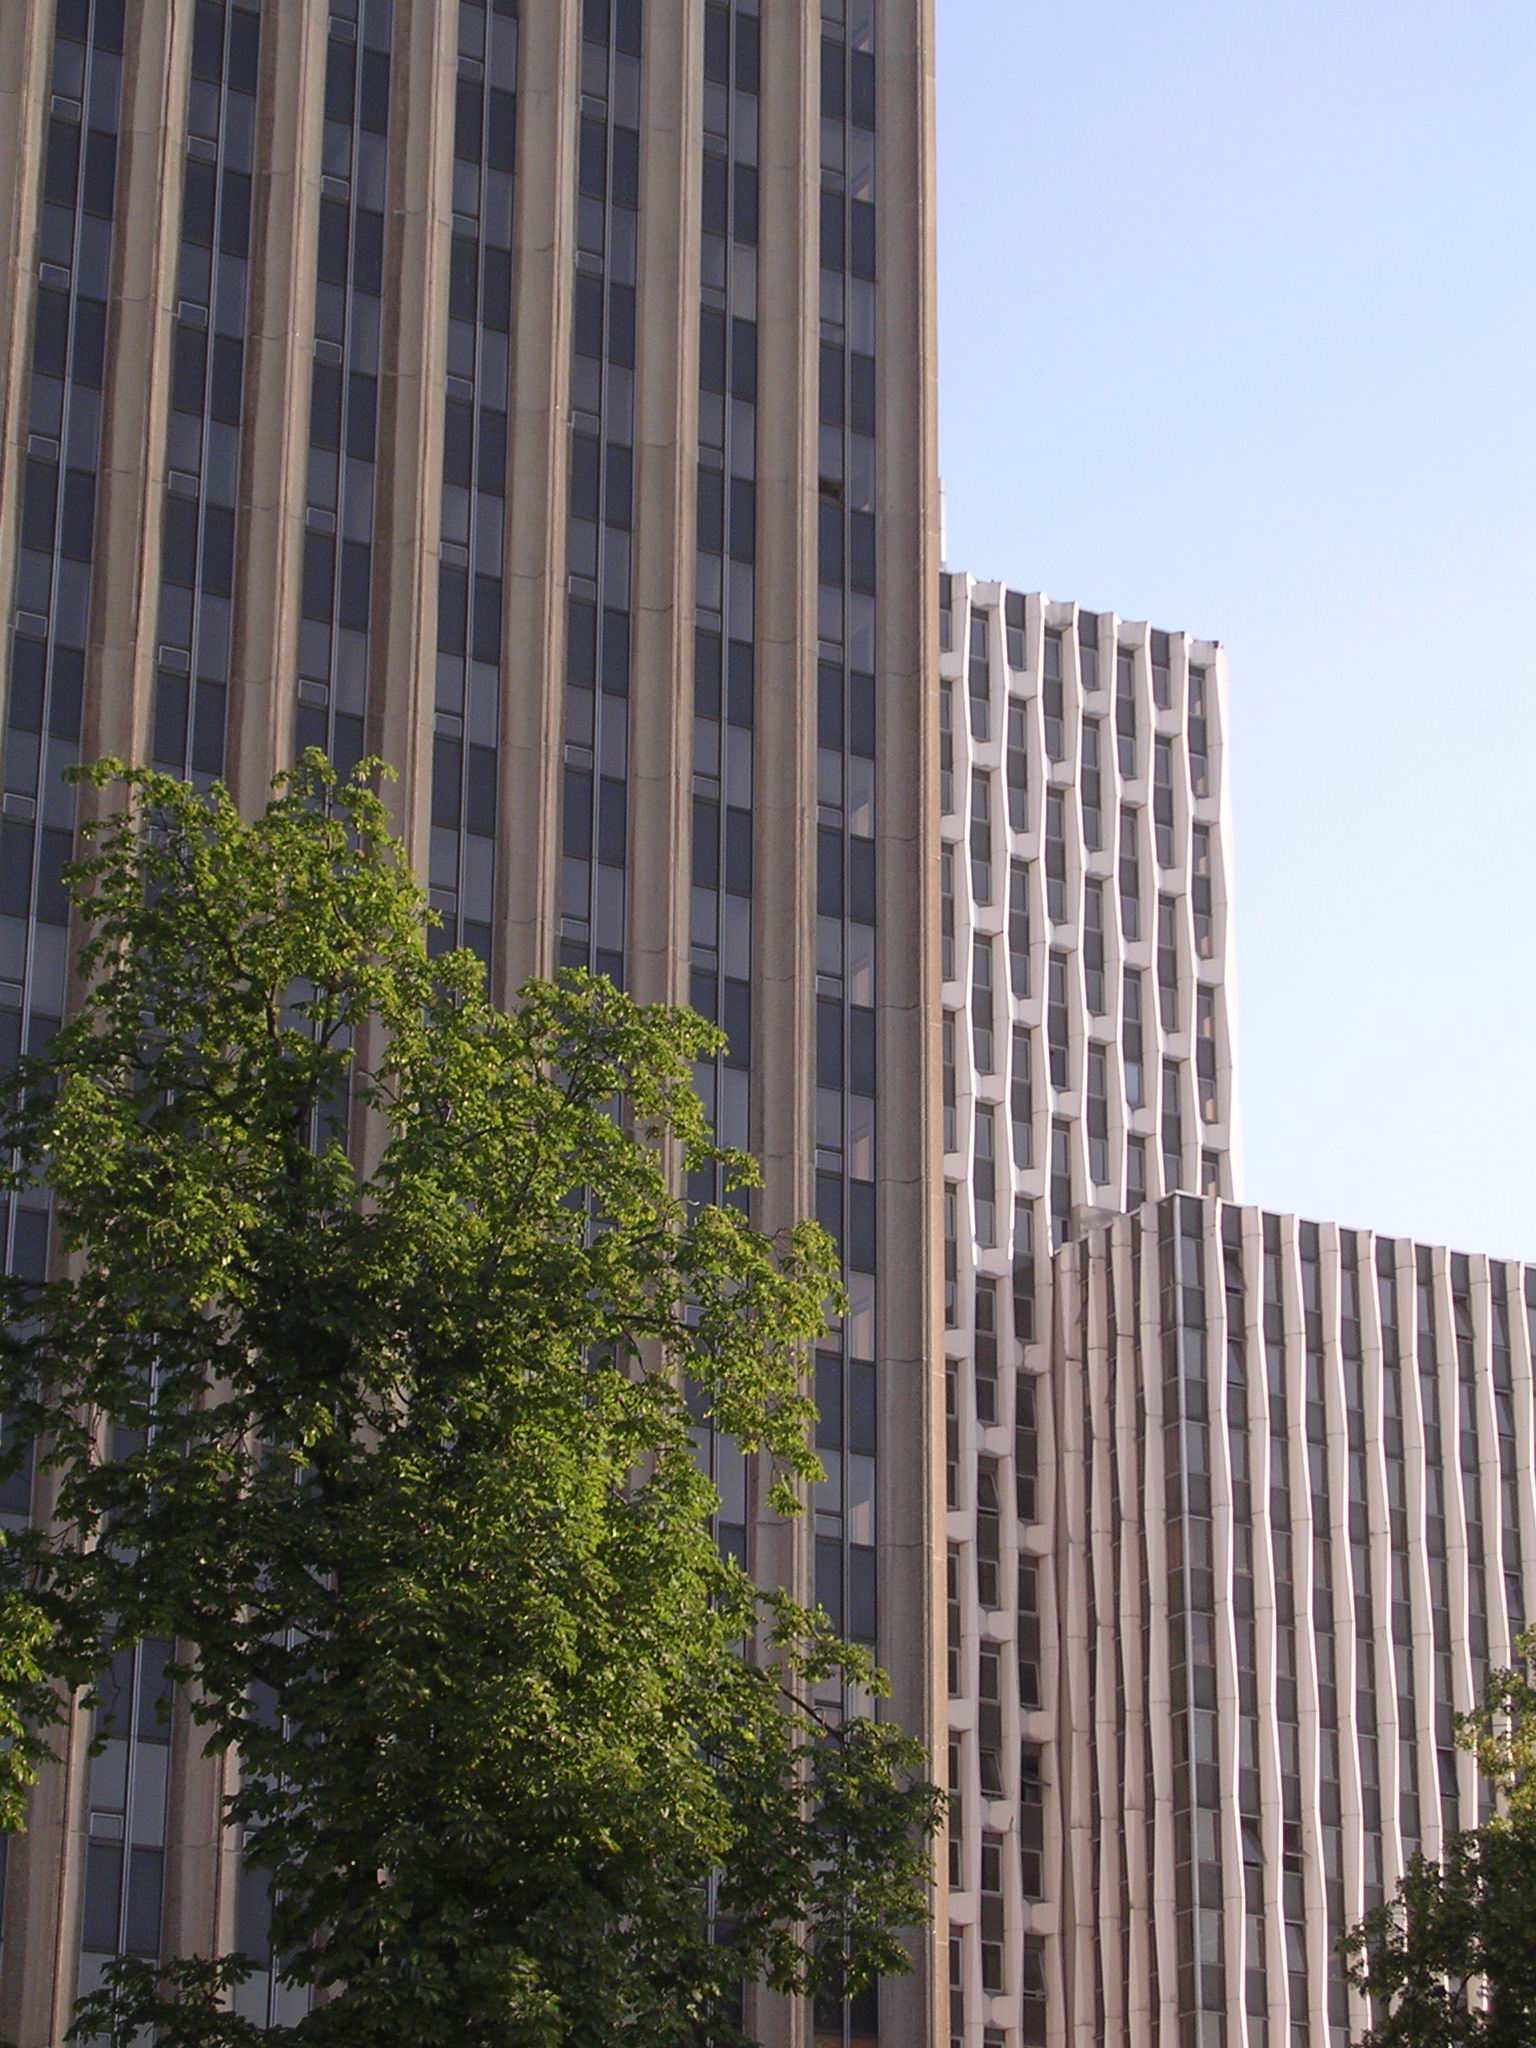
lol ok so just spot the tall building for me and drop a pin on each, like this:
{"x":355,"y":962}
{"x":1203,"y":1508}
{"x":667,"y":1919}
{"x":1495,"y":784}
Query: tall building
{"x":1086,"y":1061}
{"x":541,"y":397}
{"x":1297,"y":1521}
{"x":1241,"y":1510}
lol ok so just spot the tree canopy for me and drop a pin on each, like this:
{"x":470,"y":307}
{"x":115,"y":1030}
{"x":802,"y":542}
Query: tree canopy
{"x":1452,"y":1956}
{"x":374,"y":1383}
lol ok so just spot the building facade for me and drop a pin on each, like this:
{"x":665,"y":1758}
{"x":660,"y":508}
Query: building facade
{"x":540,"y":397}
{"x":1086,"y":1056}
{"x":1297,"y":1516}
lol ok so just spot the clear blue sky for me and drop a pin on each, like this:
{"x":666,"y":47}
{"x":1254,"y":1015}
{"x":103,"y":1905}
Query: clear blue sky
{"x":1238,"y":335}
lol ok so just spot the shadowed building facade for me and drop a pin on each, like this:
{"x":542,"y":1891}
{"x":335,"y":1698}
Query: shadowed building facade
{"x":541,"y":397}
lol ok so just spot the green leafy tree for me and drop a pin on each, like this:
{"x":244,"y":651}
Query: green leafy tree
{"x":402,"y":1457}
{"x":1452,"y":1957}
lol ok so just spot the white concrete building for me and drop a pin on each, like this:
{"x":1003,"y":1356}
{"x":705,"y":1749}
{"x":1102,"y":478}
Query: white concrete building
{"x":1296,"y":1525}
{"x":1086,"y":1064}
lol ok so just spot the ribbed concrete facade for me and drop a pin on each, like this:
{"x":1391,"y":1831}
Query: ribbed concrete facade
{"x":539,"y":396}
{"x":1086,"y":1035}
{"x":1297,"y":1525}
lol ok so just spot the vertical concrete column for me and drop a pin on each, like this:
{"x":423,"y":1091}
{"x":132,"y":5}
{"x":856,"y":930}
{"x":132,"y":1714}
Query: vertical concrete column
{"x":24,"y":48}
{"x":783,"y":1107}
{"x":408,"y":519}
{"x":527,"y":845}
{"x":910,"y":1413}
{"x":130,"y":492}
{"x":666,"y":463}
{"x":279,"y":353}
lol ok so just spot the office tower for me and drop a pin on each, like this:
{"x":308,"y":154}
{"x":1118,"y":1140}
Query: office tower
{"x":540,"y":397}
{"x":1297,"y":1526}
{"x":1086,"y":1067}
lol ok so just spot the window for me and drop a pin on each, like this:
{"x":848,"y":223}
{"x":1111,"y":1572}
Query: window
{"x":1125,"y":710}
{"x":1013,"y":614}
{"x":991,"y":1912}
{"x":1093,"y":815}
{"x":1088,"y":650}
{"x":1093,"y":947}
{"x":951,"y":1255}
{"x":1130,"y":1040}
{"x":1055,"y":859}
{"x":979,"y":677}
{"x":1205,"y":1052}
{"x":1130,"y":876}
{"x":946,"y":613}
{"x":1055,"y":728}
{"x":1135,"y":1173}
{"x":981,"y":839}
{"x":985,"y":1355}
{"x":1056,"y":1018}
{"x":1018,"y":927}
{"x":1199,"y":763}
{"x":1098,"y":1116}
{"x":1061,"y":1182}
{"x":946,"y":748}
{"x":952,"y":1604}
{"x":1017,"y":768}
{"x":1200,"y":891}
{"x":947,"y":914}
{"x":1022,"y":1101}
{"x":1031,"y":1797}
{"x":1173,"y":1128}
{"x":951,"y":1112}
{"x":1162,"y":684}
{"x":1167,"y":963}
{"x":988,"y":1532}
{"x":984,"y":1176}
{"x":1023,"y":1272}
{"x":982,"y":1036}
{"x":1162,"y":801}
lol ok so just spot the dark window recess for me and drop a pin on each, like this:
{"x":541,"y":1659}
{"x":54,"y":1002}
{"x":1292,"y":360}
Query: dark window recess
{"x":706,"y":843}
{"x":586,"y":461}
{"x":861,"y":880}
{"x":861,"y":238}
{"x":715,"y":195}
{"x":485,"y":644}
{"x":829,"y":872}
{"x":356,"y":572}
{"x":324,"y":399}
{"x":208,"y":727}
{"x":744,"y":360}
{"x":463,"y":278}
{"x":362,"y":415}
{"x":39,"y":504}
{"x":743,"y":520}
{"x":736,"y":1000}
{"x":178,"y":551}
{"x":738,"y":707}
{"x":331,"y":245}
{"x":612,"y":815}
{"x":576,"y":830}
{"x":368,"y":252}
{"x":829,"y":1036}
{"x":235,"y":214}
{"x":88,"y":357}
{"x":452,"y":608}
{"x":225,"y":381}
{"x":744,"y":203}
{"x":491,"y":474}
{"x":581,"y":643}
{"x":496,"y":290}
{"x":588,"y":316}
{"x":738,"y":852}
{"x":711,"y":512}
{"x":480,"y":793}
{"x":621,"y":325}
{"x":711,"y":348}
{"x":615,"y":652}
{"x":861,"y":1050}
{"x":861,"y":1593}
{"x":861,"y":1225}
{"x":218,"y":563}
{"x":77,"y":521}
{"x":458,"y":438}
{"x":861,"y":393}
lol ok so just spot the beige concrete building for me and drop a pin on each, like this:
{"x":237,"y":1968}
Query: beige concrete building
{"x":540,"y":396}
